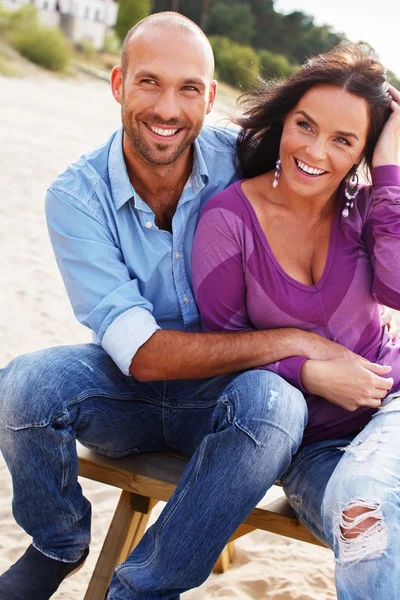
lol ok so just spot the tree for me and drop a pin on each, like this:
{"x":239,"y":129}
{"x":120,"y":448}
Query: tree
{"x":228,"y":17}
{"x":130,"y":12}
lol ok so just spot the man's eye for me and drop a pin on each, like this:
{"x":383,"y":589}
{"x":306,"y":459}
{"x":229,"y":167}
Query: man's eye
{"x":190,"y":88}
{"x":149,"y":81}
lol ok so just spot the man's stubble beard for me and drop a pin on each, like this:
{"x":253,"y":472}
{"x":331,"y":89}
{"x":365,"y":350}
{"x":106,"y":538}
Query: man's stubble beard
{"x":161,"y":155}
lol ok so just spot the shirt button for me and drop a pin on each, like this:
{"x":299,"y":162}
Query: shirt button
{"x":177,"y":254}
{"x":148,"y":225}
{"x":186,"y":299}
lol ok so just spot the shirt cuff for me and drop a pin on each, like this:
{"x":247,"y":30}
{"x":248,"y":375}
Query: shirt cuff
{"x":126,"y":334}
{"x":386,"y":176}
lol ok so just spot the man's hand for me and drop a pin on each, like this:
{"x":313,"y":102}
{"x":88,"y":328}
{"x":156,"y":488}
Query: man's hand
{"x":347,"y":383}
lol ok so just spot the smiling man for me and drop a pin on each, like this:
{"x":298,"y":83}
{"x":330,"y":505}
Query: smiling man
{"x":122,"y":220}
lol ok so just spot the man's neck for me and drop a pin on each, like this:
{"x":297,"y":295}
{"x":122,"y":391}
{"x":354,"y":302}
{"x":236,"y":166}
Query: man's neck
{"x":152,"y":178}
{"x":159,"y":186}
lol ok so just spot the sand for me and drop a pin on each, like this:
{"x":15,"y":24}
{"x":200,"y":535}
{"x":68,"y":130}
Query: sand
{"x":45,"y":123}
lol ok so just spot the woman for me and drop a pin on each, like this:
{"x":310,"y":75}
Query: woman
{"x":299,"y":243}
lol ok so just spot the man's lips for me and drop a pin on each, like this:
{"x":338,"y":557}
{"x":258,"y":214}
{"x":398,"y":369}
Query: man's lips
{"x":162,"y":132}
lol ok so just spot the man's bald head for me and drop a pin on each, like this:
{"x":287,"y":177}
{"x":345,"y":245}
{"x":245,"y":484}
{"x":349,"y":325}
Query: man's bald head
{"x":168,"y":20}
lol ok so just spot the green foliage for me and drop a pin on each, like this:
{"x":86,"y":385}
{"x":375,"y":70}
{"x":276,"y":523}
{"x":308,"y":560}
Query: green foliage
{"x":236,"y":64}
{"x":393,"y":79}
{"x":87,"y":49}
{"x":45,"y":46}
{"x":112,"y":44}
{"x":130,"y":12}
{"x":237,"y":19}
{"x":275,"y":66}
{"x":18,"y":20}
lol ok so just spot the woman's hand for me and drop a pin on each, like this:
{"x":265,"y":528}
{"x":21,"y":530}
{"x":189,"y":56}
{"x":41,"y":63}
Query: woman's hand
{"x":347,"y":383}
{"x":387,"y":149}
{"x":391,"y":318}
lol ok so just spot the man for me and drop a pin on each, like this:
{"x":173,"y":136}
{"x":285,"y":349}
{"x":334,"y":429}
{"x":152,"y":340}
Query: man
{"x":121,"y":220}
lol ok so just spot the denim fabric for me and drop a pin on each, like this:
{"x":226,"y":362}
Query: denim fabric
{"x":363,"y":470}
{"x":240,"y":431}
{"x":125,"y":277}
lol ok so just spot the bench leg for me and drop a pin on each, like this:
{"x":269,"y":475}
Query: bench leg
{"x":127,"y":527}
{"x":225,"y":559}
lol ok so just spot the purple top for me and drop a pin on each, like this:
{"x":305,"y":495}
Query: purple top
{"x":240,"y":286}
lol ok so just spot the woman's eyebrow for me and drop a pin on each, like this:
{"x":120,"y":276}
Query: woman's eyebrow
{"x":344,"y":133}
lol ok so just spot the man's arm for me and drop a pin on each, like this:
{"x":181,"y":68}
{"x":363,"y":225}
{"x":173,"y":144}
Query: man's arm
{"x":179,"y":355}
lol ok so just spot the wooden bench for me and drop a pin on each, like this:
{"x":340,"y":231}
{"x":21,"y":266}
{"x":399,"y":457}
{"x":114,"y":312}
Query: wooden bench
{"x":146,"y":479}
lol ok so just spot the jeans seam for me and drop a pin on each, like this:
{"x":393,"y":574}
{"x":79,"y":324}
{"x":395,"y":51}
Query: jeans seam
{"x":171,"y":513}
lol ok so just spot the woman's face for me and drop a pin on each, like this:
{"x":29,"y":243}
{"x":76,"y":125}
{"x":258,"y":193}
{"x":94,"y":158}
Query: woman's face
{"x":323,"y":137}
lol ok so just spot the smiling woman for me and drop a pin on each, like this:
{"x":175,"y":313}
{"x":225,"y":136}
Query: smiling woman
{"x":298,"y":243}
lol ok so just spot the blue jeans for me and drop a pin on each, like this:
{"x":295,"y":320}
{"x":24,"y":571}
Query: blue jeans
{"x":241,"y":432}
{"x":329,"y":478}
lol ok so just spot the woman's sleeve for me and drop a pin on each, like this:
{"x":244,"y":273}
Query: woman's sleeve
{"x":219,"y":264}
{"x":382,"y":235}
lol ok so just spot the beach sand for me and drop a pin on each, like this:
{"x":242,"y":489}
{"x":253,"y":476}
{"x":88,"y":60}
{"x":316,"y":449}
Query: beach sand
{"x":45,"y":123}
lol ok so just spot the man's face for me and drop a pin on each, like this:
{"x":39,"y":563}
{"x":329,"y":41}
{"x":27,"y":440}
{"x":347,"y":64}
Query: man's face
{"x":165,"y":94}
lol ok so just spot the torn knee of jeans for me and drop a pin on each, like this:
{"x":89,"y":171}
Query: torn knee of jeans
{"x":362,"y":450}
{"x":361,"y":531}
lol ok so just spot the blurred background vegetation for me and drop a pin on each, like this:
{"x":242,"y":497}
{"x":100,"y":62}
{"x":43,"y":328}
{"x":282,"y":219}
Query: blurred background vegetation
{"x":249,"y":37}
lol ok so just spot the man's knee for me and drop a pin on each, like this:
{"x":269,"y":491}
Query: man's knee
{"x":33,"y":388}
{"x":262,"y":400}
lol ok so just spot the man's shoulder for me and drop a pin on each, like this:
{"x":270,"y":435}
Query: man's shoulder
{"x":84,"y":174}
{"x":218,"y":139}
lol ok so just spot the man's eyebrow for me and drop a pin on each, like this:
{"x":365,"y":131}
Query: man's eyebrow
{"x":188,"y":81}
{"x":344,"y":133}
{"x":146,"y":74}
{"x":194,"y":81}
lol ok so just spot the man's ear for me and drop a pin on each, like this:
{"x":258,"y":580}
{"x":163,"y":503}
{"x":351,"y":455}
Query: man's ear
{"x":212,"y":95}
{"x":117,"y":80}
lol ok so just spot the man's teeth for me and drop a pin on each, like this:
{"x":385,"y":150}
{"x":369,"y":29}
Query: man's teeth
{"x":164,"y":132}
{"x":309,"y":170}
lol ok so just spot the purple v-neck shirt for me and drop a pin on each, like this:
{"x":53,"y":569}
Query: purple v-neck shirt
{"x":240,"y":286}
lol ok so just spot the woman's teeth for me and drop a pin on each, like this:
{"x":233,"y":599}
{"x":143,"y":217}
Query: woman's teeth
{"x":309,"y":170}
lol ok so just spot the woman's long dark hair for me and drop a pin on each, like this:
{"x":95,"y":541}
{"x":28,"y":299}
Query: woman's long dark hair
{"x":351,"y":67}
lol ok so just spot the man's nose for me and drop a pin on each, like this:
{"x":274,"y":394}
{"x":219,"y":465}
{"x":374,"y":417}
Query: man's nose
{"x":167,"y":106}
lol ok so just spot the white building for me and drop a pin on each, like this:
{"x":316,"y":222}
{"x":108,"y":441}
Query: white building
{"x":81,"y":20}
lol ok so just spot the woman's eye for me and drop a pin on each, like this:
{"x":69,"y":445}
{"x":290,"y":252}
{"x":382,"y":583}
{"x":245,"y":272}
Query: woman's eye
{"x":304,"y":125}
{"x":343,"y":140}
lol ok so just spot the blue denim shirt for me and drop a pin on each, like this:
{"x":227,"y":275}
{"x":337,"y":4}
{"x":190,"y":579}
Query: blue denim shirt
{"x":125,"y":277}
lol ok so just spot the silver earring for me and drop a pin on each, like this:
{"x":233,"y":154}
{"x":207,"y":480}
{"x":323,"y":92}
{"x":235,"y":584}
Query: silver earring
{"x":277,"y":173}
{"x":350,"y":191}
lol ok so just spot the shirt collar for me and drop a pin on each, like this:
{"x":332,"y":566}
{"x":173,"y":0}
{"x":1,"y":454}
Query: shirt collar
{"x":123,"y":190}
{"x":121,"y":187}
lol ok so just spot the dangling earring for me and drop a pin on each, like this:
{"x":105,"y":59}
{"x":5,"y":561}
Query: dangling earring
{"x":350,"y":191}
{"x":277,"y":173}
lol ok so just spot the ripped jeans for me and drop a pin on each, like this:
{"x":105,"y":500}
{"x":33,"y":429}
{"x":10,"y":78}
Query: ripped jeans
{"x":241,"y":432}
{"x":347,"y":492}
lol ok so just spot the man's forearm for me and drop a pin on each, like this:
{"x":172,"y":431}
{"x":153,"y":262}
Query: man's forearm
{"x":180,"y":355}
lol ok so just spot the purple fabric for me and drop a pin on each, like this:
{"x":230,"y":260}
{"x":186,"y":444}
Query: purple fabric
{"x":239,"y":285}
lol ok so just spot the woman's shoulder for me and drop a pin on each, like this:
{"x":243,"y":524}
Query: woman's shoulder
{"x":230,"y":199}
